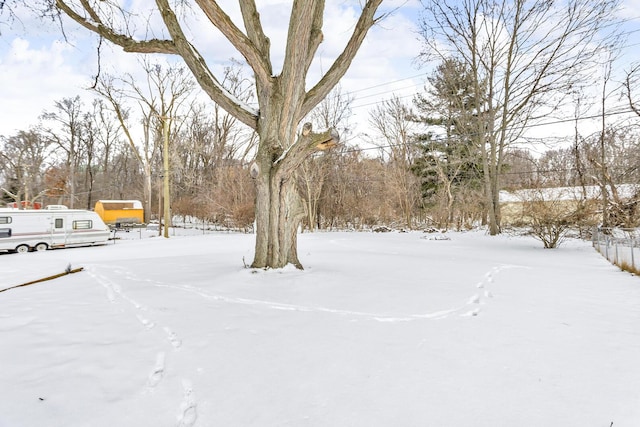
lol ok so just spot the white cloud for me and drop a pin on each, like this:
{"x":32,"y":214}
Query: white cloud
{"x":33,"y":78}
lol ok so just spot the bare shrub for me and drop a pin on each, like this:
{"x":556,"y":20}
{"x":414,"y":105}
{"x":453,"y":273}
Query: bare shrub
{"x":551,"y":220}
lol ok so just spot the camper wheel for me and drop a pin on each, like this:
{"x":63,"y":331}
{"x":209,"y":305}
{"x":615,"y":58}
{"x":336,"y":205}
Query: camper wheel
{"x":22,"y":249}
{"x":41,"y":247}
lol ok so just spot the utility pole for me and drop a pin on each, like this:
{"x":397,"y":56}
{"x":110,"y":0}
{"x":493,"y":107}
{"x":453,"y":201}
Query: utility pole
{"x":166,"y":121}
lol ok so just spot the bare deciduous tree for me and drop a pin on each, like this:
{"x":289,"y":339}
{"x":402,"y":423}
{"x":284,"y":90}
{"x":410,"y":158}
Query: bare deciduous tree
{"x":160,"y":99}
{"x":283,"y":99}
{"x":212,"y":151}
{"x":393,"y":124}
{"x":356,"y":194}
{"x":333,"y":112}
{"x":66,"y":134}
{"x":631,"y":81}
{"x":22,"y":158}
{"x":529,"y":54}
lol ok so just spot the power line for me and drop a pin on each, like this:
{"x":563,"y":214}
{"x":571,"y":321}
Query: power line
{"x":616,"y":23}
{"x":386,"y":83}
{"x":435,"y":138}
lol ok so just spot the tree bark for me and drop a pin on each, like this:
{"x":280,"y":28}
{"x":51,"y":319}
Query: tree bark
{"x":279,"y":208}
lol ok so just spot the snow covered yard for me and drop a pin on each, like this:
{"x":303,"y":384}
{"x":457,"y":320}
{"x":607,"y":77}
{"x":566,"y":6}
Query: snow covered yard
{"x":388,"y":329}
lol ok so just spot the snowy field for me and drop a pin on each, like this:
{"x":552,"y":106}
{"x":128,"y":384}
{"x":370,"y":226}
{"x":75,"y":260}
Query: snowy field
{"x":392,"y":329}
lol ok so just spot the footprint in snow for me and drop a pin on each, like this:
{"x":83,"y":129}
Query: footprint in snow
{"x":158,"y":371}
{"x":471,"y":313}
{"x":188,"y":412}
{"x":474,"y":299}
{"x":104,"y":282}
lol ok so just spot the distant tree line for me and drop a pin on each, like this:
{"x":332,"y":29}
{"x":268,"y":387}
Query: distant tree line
{"x":439,"y":160}
{"x":405,"y":178}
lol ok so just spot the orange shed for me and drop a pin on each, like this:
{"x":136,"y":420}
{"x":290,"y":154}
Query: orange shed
{"x":125,"y":212}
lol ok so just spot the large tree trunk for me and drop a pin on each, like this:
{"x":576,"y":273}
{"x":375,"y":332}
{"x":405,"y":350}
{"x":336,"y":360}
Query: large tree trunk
{"x":278,"y":214}
{"x":279,"y":208}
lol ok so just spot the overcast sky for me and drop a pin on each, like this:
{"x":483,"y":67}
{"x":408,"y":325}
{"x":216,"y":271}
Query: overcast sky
{"x":38,"y":67}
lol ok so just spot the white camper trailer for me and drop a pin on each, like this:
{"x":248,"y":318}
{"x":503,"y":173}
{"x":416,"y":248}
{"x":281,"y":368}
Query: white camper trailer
{"x":25,"y":230}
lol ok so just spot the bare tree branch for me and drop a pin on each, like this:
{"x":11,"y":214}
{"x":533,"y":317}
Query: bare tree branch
{"x":343,"y":62}
{"x":255,"y":49}
{"x":198,"y":66}
{"x":127,"y":42}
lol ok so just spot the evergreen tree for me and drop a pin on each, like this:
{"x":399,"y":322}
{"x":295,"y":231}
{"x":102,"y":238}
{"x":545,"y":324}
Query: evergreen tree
{"x":450,"y":162}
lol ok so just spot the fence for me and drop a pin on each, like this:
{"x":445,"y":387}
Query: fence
{"x":620,"y":246}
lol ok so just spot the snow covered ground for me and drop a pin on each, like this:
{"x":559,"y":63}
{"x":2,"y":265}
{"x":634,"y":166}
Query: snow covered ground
{"x":393,"y":329}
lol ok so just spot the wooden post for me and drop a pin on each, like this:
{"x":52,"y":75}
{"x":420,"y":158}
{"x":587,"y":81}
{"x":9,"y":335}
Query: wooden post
{"x":165,"y":154}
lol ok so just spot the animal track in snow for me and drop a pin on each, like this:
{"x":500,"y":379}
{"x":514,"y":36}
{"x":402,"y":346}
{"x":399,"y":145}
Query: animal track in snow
{"x":173,"y":338}
{"x":487,"y":281}
{"x":476,"y":299}
{"x":146,"y":322}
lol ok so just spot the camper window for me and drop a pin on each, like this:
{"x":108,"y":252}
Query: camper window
{"x":59,"y":223}
{"x":5,"y":232}
{"x":85,"y":224}
{"x":5,"y":220}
